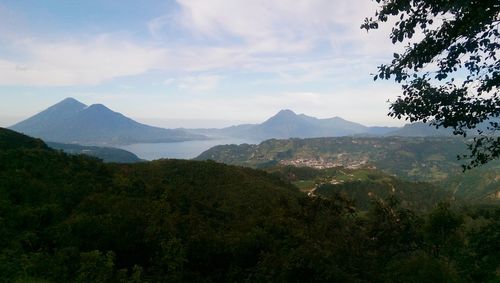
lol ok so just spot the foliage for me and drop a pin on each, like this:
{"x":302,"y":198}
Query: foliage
{"x":12,"y":140}
{"x":107,"y":154}
{"x":431,"y":160}
{"x":451,"y":76}
{"x":70,"y":218}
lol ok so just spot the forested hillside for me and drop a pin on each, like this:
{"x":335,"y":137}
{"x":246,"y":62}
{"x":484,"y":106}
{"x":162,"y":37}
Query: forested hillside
{"x":364,"y":186}
{"x":107,"y":154}
{"x":75,"y":219}
{"x":413,"y":158}
{"x":432,"y":159}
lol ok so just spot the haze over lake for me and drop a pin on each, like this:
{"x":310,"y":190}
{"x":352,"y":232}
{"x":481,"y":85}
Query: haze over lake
{"x":178,"y":150}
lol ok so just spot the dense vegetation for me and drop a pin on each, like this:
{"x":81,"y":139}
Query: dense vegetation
{"x":70,"y":218}
{"x":12,"y":140}
{"x":107,"y":154}
{"x":450,"y":73}
{"x":430,"y":159}
{"x":410,"y":157}
{"x":363,"y":186}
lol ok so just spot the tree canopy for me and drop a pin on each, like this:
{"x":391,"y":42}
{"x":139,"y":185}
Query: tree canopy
{"x":450,"y":75}
{"x":72,"y":218}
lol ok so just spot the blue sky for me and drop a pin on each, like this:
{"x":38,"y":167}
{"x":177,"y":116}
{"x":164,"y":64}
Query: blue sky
{"x":194,"y":63}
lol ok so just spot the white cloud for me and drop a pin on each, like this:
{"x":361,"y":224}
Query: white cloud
{"x":300,"y":40}
{"x":168,"y":81}
{"x":278,"y":25}
{"x":199,"y":83}
{"x":156,"y":25}
{"x":283,"y":46}
{"x":79,"y":62}
{"x":297,"y":40}
{"x":280,"y":37}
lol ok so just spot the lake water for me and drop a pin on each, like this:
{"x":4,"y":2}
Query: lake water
{"x":179,"y":150}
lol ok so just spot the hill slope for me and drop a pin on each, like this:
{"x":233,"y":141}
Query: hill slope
{"x":107,"y":154}
{"x":13,"y":140}
{"x":417,"y":157}
{"x":431,"y":159}
{"x":10,"y":140}
{"x":75,"y":219}
{"x":71,"y":121}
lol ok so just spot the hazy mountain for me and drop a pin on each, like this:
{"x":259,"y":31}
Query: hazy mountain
{"x":419,"y":129}
{"x":71,"y":121}
{"x":50,"y":118}
{"x":379,"y":131}
{"x":287,"y":124}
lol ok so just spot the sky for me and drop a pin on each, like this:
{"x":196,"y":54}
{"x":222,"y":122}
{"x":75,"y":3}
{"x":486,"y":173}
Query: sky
{"x":195,"y":63}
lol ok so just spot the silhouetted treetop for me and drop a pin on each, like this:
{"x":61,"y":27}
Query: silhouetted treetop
{"x":450,"y":76}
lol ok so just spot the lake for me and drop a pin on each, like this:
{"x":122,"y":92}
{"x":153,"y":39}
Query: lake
{"x":179,"y":150}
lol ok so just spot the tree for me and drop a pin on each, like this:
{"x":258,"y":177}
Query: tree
{"x":450,"y":78}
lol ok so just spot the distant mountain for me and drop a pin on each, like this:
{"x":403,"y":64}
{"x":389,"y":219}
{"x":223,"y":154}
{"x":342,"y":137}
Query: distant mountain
{"x":71,"y":121}
{"x":419,"y":129}
{"x":288,"y":124}
{"x":379,"y":131}
{"x":50,"y":118}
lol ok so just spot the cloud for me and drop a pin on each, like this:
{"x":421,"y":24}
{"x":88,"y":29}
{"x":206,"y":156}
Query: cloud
{"x":199,"y":83}
{"x":299,"y":41}
{"x":294,"y":41}
{"x":79,"y":62}
{"x":276,"y":26}
{"x":156,"y":25}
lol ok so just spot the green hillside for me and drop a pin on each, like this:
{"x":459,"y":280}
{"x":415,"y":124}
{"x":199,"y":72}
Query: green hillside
{"x":431,"y":160}
{"x":412,"y":158}
{"x":13,"y":140}
{"x":66,"y":218}
{"x":363,"y":186}
{"x":107,"y":154}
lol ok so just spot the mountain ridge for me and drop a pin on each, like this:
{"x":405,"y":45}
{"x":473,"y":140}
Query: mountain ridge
{"x":288,"y":124}
{"x":71,"y":121}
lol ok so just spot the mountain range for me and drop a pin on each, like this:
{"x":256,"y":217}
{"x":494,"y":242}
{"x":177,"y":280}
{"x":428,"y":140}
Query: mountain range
{"x":71,"y":121}
{"x":287,"y":124}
